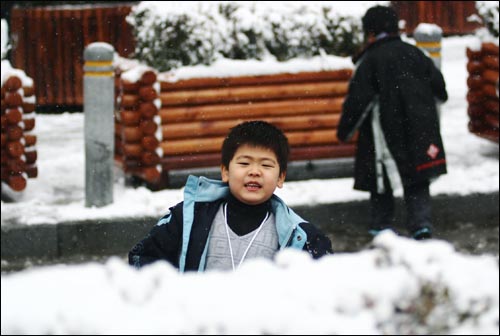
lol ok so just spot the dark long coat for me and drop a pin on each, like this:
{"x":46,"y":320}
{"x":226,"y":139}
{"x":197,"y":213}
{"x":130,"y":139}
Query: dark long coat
{"x":407,"y":84}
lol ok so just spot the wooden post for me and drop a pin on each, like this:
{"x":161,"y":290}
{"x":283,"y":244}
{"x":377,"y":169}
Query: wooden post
{"x":99,"y":124}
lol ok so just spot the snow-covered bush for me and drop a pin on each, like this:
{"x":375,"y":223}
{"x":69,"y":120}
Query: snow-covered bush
{"x":488,"y":10}
{"x":190,"y":35}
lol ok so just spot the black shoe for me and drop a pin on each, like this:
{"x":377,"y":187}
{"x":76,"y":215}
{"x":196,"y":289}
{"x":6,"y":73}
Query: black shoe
{"x":422,"y":234}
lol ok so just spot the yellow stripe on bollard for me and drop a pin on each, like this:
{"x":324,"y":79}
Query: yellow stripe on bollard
{"x":429,"y":44}
{"x":99,"y":63}
{"x":100,"y":74}
{"x":435,"y":54}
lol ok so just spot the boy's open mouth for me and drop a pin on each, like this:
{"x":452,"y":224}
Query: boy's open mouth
{"x":253,"y":185}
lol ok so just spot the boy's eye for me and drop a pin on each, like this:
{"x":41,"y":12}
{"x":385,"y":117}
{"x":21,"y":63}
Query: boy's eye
{"x":243,"y":163}
{"x":268,"y":166}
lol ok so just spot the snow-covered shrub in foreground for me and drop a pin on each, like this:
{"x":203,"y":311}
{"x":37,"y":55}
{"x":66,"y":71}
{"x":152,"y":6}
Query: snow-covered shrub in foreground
{"x":398,"y":287}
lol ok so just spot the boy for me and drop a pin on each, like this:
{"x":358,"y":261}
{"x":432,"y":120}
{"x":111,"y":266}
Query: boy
{"x":222,"y":223}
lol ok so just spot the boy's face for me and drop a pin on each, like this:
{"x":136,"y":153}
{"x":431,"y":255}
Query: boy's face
{"x":253,"y":174}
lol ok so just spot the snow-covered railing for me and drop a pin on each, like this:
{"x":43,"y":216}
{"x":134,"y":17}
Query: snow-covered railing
{"x":165,"y":123}
{"x":19,"y":154}
{"x":482,"y":95}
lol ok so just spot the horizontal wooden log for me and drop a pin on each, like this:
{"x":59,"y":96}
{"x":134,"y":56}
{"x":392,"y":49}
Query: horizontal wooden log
{"x":31,"y":156}
{"x":150,"y":158}
{"x":214,"y":144}
{"x":28,"y":107}
{"x":148,"y":109}
{"x":254,"y":93}
{"x":149,"y":143}
{"x":3,"y":124}
{"x":128,"y":134}
{"x":195,"y":83}
{"x":473,"y":55}
{"x":14,"y":132}
{"x":32,"y":171}
{"x":12,"y":83}
{"x":491,"y":120}
{"x":130,"y":118}
{"x":150,"y":174}
{"x":13,"y":100}
{"x":474,"y":82}
{"x":148,"y":127}
{"x":132,"y":150}
{"x":222,"y":127}
{"x":475,"y":67}
{"x":489,"y":48}
{"x":130,"y":87}
{"x":490,"y":76}
{"x":15,"y":148}
{"x":148,"y":77}
{"x":29,"y":124}
{"x":29,"y":91}
{"x":130,"y":101}
{"x":490,"y":62}
{"x":13,"y":115}
{"x":16,"y":182}
{"x":476,"y":110}
{"x":190,"y":161}
{"x":16,"y":165}
{"x":491,"y":105}
{"x":322,"y":152}
{"x":296,"y":154}
{"x":29,"y":140}
{"x":147,"y":93}
{"x":484,"y":132}
{"x":251,"y":110}
{"x":489,"y":90}
{"x":475,"y":97}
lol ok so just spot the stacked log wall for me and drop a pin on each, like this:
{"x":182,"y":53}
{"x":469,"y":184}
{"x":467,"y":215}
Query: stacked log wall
{"x":136,"y":126}
{"x":482,"y":95}
{"x":18,"y":141}
{"x":196,"y":115}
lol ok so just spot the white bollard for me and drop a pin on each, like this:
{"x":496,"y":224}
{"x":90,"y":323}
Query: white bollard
{"x":98,"y":87}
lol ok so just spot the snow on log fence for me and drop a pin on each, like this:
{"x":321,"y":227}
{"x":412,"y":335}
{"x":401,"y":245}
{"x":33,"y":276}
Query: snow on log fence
{"x":19,"y":155}
{"x":482,"y":95}
{"x":162,"y":126}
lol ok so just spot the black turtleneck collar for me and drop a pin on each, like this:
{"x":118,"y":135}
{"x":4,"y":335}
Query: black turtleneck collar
{"x":244,"y":218}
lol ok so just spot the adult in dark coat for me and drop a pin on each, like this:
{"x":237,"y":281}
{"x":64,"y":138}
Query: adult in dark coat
{"x":392,"y":103}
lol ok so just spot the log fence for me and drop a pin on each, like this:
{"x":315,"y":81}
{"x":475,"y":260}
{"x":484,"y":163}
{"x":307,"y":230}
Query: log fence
{"x":163,"y":126}
{"x":18,"y":142}
{"x":482,"y":94}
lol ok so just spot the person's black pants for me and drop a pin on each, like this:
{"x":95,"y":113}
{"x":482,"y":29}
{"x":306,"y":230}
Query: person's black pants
{"x":418,"y":207}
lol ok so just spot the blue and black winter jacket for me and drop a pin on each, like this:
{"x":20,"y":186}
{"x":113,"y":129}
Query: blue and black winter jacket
{"x":181,"y":237}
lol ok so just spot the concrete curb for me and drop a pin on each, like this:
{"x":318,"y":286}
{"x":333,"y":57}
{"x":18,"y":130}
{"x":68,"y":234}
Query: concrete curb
{"x":345,"y":223}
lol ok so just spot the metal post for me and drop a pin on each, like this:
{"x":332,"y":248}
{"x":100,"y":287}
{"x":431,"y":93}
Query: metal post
{"x":98,"y":87}
{"x":428,"y":37}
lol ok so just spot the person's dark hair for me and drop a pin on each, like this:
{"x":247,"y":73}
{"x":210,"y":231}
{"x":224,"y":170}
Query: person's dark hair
{"x":259,"y":134}
{"x":380,"y":19}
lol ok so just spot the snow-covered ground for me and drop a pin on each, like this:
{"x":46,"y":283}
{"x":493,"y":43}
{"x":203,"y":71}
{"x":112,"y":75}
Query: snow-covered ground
{"x":399,"y":287}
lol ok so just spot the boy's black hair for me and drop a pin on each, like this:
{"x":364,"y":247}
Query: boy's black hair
{"x":259,"y":134}
{"x":380,"y":19}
